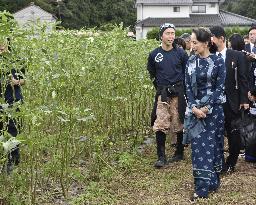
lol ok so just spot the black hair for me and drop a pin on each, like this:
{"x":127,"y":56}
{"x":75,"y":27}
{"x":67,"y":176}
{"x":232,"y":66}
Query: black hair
{"x":213,"y":48}
{"x":252,"y":28}
{"x":218,"y":31}
{"x":202,"y":34}
{"x":237,"y":42}
{"x":180,"y":42}
{"x":185,"y":36}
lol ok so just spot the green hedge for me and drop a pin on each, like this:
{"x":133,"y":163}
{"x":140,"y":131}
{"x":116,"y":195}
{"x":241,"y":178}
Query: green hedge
{"x":154,"y":33}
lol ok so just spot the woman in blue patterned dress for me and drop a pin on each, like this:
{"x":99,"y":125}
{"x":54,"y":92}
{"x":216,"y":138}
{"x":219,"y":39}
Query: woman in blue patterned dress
{"x":204,"y":122}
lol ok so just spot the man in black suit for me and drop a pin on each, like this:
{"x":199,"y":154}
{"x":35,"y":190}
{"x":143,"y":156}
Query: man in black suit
{"x":236,"y":90}
{"x":251,"y":48}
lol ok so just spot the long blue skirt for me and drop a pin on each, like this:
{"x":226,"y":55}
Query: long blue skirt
{"x":207,"y":153}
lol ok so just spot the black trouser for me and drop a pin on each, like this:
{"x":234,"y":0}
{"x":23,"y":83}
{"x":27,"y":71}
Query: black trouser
{"x":234,"y":139}
{"x":179,"y":146}
{"x":160,"y":145}
{"x":160,"y":142}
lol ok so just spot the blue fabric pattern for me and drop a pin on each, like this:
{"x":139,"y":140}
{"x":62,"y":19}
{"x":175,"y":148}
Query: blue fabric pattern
{"x":204,"y":79}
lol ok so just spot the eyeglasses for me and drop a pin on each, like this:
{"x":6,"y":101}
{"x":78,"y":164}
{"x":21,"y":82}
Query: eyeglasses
{"x":167,"y":25}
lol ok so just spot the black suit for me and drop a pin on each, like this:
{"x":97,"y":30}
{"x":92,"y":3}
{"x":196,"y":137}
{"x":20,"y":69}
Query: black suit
{"x":252,"y":66}
{"x":236,"y":93}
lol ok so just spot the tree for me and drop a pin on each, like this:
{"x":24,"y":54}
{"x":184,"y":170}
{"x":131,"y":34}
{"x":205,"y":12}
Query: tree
{"x":82,"y":13}
{"x":242,"y":7}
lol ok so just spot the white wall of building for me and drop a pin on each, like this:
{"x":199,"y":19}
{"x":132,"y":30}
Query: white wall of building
{"x":209,"y":8}
{"x":212,"y":10}
{"x":32,"y":14}
{"x":139,"y":12}
{"x":159,"y":11}
{"x":167,"y":11}
{"x":141,"y":33}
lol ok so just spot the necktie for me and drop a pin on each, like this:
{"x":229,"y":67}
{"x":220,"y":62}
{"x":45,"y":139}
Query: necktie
{"x":221,"y":56}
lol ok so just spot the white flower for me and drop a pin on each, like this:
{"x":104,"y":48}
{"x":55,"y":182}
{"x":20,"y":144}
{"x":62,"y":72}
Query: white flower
{"x":54,"y":94}
{"x":91,"y":39}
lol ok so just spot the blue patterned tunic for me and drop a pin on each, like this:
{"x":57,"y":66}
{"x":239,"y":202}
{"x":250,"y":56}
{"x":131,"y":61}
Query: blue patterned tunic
{"x":204,"y":80}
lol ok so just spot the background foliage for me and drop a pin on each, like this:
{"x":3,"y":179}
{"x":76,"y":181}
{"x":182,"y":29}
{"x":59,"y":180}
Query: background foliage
{"x":82,"y":13}
{"x":242,"y":7}
{"x":154,"y":33}
{"x":88,"y":13}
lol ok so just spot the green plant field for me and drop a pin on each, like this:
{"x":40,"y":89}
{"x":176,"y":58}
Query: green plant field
{"x":87,"y":103}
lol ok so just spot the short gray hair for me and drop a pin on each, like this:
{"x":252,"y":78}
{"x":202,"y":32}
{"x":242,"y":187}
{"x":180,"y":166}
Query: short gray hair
{"x":185,"y":36}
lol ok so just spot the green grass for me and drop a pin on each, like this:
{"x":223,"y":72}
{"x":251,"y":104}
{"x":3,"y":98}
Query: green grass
{"x":143,"y":184}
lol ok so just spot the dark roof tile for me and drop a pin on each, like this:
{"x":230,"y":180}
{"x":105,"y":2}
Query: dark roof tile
{"x":231,"y":19}
{"x":224,"y":18}
{"x":172,"y":2}
{"x":177,"y":2}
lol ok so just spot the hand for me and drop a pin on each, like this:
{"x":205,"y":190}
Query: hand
{"x":14,"y":82}
{"x":251,"y":97}
{"x":204,"y":109}
{"x":251,"y":56}
{"x":199,"y":113}
{"x":245,"y":106}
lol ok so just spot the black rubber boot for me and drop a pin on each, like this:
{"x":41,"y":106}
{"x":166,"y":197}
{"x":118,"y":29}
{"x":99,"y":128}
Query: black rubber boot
{"x":160,"y":146}
{"x":179,"y":153}
{"x":13,"y":159}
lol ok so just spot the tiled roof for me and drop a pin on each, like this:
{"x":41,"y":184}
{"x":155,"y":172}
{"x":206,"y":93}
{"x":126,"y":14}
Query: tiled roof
{"x":194,"y":20}
{"x":224,"y":18}
{"x":173,"y":2}
{"x":208,"y":1}
{"x":177,"y":2}
{"x":231,"y":19}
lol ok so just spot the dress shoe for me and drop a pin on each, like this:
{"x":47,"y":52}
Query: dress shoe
{"x":161,"y":162}
{"x":176,"y":158}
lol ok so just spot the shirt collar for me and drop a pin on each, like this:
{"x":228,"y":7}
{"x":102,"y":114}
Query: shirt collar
{"x":223,"y":52}
{"x":251,"y":45}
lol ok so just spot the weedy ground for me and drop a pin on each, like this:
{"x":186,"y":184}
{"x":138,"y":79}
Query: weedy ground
{"x":142,"y":184}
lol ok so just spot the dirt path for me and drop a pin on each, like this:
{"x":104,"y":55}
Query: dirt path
{"x":144,"y":185}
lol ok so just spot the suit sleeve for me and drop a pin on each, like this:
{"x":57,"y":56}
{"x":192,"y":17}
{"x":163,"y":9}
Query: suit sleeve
{"x":243,"y":77}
